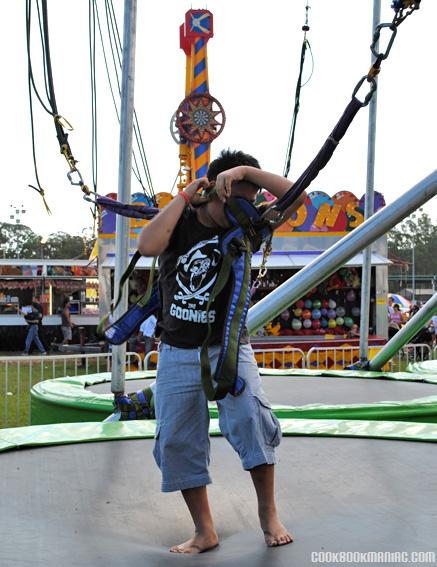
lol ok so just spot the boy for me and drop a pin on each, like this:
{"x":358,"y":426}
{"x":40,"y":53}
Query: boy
{"x":186,"y":240}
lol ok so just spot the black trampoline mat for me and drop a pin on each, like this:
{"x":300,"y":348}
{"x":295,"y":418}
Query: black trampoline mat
{"x":99,"y":504}
{"x":303,"y":390}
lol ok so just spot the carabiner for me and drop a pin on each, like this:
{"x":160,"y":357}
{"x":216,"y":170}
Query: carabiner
{"x":70,"y":177}
{"x":369,"y":95}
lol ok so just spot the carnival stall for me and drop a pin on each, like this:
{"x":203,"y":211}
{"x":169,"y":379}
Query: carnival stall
{"x":329,"y":312}
{"x":52,"y":281}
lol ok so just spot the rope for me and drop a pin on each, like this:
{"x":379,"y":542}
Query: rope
{"x":116,"y":53}
{"x":305,"y":45}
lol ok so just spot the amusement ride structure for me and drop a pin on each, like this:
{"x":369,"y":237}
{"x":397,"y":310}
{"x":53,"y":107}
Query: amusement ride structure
{"x":349,"y":492}
{"x":200,"y":117}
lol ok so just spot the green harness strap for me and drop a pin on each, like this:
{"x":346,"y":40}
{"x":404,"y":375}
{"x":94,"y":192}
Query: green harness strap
{"x":222,"y":383}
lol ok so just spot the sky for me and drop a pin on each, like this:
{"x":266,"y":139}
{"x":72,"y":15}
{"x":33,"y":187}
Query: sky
{"x":253,"y":68}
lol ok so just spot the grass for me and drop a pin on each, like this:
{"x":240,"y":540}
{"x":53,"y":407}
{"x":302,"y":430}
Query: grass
{"x":17,"y":379}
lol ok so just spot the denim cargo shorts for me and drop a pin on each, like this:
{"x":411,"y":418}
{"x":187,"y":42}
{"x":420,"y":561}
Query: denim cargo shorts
{"x":182,"y":447}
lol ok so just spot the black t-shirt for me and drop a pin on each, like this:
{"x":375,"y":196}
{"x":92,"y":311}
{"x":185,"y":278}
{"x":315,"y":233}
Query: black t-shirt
{"x":188,"y":270}
{"x":35,"y":316}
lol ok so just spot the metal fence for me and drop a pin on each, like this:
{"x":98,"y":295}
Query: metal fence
{"x":339,"y":358}
{"x":19,"y":373}
{"x":326,"y":358}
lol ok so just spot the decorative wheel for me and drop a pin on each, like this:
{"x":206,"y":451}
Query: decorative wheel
{"x":174,"y":130}
{"x":200,"y":118}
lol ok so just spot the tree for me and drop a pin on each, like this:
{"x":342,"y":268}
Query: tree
{"x":19,"y":241}
{"x":416,"y":231}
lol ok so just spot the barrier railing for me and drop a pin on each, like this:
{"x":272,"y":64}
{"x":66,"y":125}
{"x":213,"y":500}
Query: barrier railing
{"x":334,"y":358}
{"x":266,"y":358}
{"x":280,"y":358}
{"x":338,"y":358}
{"x":151,"y":359}
{"x":412,"y":353}
{"x":19,"y":373}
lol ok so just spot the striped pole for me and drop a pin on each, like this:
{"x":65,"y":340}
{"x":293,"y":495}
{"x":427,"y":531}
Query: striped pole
{"x":200,"y":152}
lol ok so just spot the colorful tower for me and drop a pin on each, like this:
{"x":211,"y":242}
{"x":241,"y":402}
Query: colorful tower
{"x":200,"y":118}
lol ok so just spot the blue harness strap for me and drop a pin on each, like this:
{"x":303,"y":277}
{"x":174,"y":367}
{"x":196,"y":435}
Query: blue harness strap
{"x":122,"y":329}
{"x":237,"y":245}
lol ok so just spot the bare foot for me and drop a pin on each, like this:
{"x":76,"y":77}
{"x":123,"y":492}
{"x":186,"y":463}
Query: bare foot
{"x":275,"y":533}
{"x":199,"y":543}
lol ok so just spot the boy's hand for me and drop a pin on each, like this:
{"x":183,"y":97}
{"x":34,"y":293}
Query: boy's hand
{"x":193,"y":188}
{"x":223,"y":183}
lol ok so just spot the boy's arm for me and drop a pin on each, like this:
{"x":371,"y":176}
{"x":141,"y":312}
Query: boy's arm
{"x":274,"y":184}
{"x":155,"y":236}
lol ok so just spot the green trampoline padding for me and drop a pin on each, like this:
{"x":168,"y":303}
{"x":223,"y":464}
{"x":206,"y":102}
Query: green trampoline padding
{"x":66,"y":400}
{"x":65,"y":433}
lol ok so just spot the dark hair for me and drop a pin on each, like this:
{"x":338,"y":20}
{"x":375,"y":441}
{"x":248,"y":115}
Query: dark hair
{"x":65,"y":302}
{"x":228,"y":159}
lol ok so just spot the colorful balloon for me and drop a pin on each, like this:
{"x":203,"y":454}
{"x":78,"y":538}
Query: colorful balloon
{"x":325,"y":303}
{"x":332,"y":314}
{"x":308,"y":303}
{"x":297,"y":312}
{"x":356,"y":311}
{"x":306,"y":314}
{"x":315,"y":324}
{"x":324,"y":311}
{"x":341,"y":311}
{"x":296,"y":324}
{"x":351,"y":296}
{"x":348,"y":322}
{"x":332,"y":323}
{"x":332,"y":304}
{"x":317,"y":304}
{"x":300,"y":303}
{"x":316,"y":314}
{"x":323,"y":322}
{"x":307,"y":323}
{"x":339,"y":321}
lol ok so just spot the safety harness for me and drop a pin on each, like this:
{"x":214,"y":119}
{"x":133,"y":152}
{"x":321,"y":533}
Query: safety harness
{"x":247,"y":233}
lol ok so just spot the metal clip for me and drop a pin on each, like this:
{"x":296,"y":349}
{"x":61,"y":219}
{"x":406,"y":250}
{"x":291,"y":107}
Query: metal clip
{"x":376,"y":34}
{"x":70,"y":177}
{"x":369,"y":95}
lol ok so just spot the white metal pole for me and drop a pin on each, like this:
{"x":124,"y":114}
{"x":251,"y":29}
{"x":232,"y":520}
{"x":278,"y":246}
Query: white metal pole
{"x":124,"y":181}
{"x":366,"y":274}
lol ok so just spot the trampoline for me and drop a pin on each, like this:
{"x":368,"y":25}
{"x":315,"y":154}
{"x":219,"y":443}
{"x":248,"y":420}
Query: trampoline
{"x":99,"y":503}
{"x":293,"y":394}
